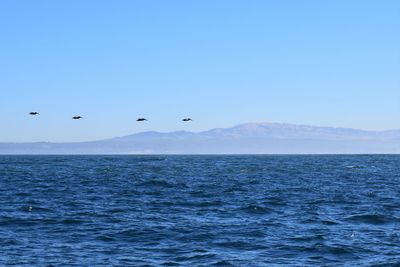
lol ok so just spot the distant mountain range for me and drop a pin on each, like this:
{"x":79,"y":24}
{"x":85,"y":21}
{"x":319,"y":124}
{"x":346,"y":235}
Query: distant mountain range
{"x":249,"y":138}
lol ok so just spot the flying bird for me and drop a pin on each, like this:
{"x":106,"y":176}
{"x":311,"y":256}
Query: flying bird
{"x":141,"y":119}
{"x":34,"y":113}
{"x":77,"y":117}
{"x":187,"y":119}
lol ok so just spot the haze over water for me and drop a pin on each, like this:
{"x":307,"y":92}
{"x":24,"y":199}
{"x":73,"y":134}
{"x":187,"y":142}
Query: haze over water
{"x":200,"y":210}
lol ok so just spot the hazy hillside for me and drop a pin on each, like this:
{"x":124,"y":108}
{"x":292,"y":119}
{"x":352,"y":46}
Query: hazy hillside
{"x":257,"y":138}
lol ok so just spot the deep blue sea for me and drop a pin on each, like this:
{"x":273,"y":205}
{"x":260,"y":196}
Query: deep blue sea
{"x":306,"y":210}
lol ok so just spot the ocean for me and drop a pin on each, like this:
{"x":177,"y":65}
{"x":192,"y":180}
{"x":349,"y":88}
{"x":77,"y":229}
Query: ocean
{"x":156,"y":210}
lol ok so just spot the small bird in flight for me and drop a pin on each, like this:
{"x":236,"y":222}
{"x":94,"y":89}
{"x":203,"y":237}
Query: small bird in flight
{"x":187,"y":119}
{"x":34,"y":113}
{"x":77,"y":117}
{"x":141,"y":119}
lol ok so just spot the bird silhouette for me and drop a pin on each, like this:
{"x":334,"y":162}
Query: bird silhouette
{"x":77,"y":117}
{"x":141,"y":119}
{"x":187,"y":119}
{"x":34,"y":113}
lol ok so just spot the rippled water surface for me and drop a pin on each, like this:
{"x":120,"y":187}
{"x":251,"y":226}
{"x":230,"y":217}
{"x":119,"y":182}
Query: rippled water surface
{"x":200,"y":210}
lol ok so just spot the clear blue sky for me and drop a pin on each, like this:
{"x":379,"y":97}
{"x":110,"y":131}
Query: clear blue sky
{"x":225,"y":62}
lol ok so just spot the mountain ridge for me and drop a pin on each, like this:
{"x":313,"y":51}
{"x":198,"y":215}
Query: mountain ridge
{"x":245,"y":138}
{"x":251,"y":130}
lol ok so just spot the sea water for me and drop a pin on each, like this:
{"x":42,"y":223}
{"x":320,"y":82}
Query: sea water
{"x":333,"y":210}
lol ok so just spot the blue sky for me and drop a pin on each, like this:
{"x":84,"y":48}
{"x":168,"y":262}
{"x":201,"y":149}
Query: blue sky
{"x":331,"y":63}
